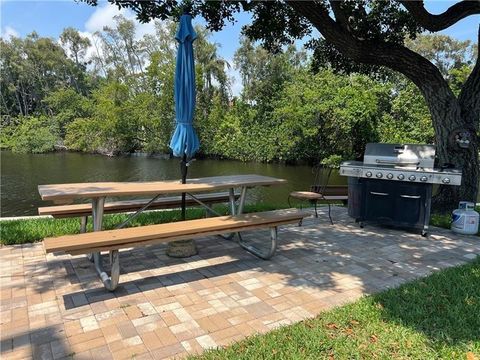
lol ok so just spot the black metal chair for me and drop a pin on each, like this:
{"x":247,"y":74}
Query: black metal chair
{"x":320,"y":190}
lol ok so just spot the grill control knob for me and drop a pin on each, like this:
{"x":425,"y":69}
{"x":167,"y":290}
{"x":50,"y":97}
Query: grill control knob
{"x":390,"y":176}
{"x":379,"y":175}
{"x":412,"y":178}
{"x":368,"y":174}
{"x":446,"y":181}
{"x":423,"y":178}
{"x":400,"y":176}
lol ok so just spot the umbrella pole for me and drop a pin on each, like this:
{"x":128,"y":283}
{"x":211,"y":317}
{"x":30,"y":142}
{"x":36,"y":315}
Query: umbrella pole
{"x":183,"y":166}
{"x":182,"y":248}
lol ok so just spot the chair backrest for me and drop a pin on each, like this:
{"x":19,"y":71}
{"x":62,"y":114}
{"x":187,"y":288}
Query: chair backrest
{"x":322,"y":176}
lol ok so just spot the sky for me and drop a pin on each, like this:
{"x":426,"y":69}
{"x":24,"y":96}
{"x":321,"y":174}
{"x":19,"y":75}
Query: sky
{"x":49,"y":18}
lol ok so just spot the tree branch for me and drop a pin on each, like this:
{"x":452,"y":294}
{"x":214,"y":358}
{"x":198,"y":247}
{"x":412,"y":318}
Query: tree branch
{"x":396,"y":57}
{"x":444,"y":20}
{"x":339,"y":14}
{"x":470,"y":95}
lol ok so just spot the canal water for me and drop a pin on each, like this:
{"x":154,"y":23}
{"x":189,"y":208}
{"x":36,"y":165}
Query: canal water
{"x":22,"y":173}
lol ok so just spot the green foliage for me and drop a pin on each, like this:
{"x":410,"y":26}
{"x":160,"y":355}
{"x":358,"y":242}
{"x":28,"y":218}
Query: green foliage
{"x":230,"y":139}
{"x":284,"y":113}
{"x":84,"y":134}
{"x":119,"y":130}
{"x":75,"y":44}
{"x":409,"y":120}
{"x":325,"y":114}
{"x":264,"y":74}
{"x":110,"y":129}
{"x":66,"y":105}
{"x":32,"y":68}
{"x":208,"y":127}
{"x":332,"y":161}
{"x":457,"y":77}
{"x":33,"y":135}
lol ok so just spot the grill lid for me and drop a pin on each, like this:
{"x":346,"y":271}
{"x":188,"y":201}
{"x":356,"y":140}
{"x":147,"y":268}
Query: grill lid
{"x":414,"y":156}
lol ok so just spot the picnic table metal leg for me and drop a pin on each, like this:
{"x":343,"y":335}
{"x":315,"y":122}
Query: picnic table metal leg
{"x":83,"y":229}
{"x":209,"y":209}
{"x":250,"y":248}
{"x":83,"y":224}
{"x":109,"y":281}
{"x":231,"y":196}
{"x":257,"y":252}
{"x":236,"y":210}
{"x":241,"y":202}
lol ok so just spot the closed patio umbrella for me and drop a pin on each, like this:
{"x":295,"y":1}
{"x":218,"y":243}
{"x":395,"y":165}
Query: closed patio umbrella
{"x":184,"y":142}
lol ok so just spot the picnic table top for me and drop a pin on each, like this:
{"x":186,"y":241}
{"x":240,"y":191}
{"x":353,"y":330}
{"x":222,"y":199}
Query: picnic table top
{"x":108,"y":189}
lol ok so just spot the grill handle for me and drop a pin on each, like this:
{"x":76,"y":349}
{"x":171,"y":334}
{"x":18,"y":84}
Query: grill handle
{"x":410,"y":196}
{"x":379,"y":193}
{"x":390,"y":162}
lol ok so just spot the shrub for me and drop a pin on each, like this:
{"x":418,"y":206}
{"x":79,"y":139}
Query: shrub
{"x":34,"y":135}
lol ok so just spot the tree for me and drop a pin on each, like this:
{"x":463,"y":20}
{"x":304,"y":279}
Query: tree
{"x":264,"y":74}
{"x":211,"y":78}
{"x":34,"y":135}
{"x":76,"y":47}
{"x":122,"y":55}
{"x":443,"y":51}
{"x":75,"y":44}
{"x":31,"y":68}
{"x":371,"y":33}
{"x":324,"y":115}
{"x":66,"y":105}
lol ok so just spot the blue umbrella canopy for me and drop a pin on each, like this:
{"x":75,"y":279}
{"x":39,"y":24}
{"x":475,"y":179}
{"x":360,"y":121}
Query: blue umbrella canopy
{"x":184,"y":141}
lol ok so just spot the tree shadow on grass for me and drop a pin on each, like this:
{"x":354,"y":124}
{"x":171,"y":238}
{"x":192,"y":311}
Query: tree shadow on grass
{"x":444,"y":306}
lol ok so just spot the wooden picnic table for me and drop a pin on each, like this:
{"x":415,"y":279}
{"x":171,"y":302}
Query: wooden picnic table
{"x":97,"y":192}
{"x":69,"y":192}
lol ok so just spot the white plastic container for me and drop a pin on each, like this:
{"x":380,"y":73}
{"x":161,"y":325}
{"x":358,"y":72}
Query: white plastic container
{"x":465,"y":219}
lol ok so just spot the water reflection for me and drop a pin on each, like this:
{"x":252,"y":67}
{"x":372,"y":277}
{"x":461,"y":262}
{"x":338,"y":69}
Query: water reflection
{"x":22,"y":173}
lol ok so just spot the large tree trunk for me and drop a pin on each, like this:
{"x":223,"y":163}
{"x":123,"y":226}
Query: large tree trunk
{"x":448,"y":120}
{"x":452,"y":116}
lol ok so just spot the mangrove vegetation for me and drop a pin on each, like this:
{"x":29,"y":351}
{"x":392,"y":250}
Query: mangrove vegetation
{"x":112,"y":93}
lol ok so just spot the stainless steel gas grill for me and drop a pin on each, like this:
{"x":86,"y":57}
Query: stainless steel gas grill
{"x":393,"y":184}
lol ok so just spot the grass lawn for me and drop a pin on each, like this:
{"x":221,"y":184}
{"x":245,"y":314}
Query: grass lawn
{"x":31,"y":230}
{"x":437,"y":317}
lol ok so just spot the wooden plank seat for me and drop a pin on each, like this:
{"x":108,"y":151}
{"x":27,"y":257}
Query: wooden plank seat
{"x":322,"y":193}
{"x":113,"y":240}
{"x":77,"y":210}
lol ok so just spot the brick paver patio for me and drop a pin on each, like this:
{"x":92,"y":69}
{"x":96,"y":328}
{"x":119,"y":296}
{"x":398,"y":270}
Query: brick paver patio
{"x":54,"y":306}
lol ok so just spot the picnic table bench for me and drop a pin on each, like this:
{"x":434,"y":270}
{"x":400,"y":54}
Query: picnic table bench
{"x":114,"y":240}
